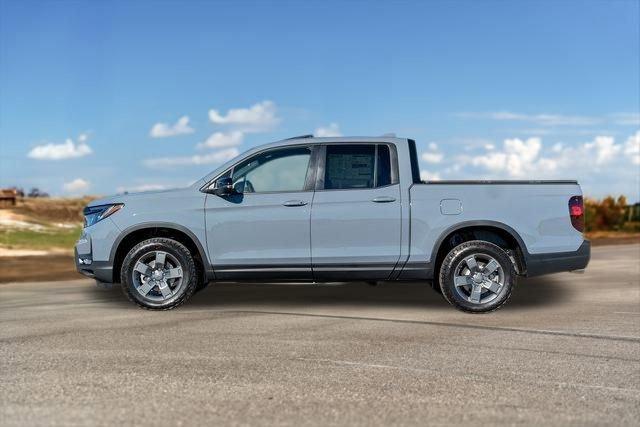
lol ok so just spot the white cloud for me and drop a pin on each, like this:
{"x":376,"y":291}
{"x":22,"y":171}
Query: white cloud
{"x":141,"y":187}
{"x":536,"y":131}
{"x":197,"y":159}
{"x":433,"y":155}
{"x":471,"y":143}
{"x":527,"y":159}
{"x":66,"y":150}
{"x":632,"y":148}
{"x":327,"y":131}
{"x":604,"y":148}
{"x":517,"y":159}
{"x":546,"y":119}
{"x":632,"y":119}
{"x":429,"y":176}
{"x":77,"y":186}
{"x":164,"y":130}
{"x":514,"y":159}
{"x":602,"y":165}
{"x":595,"y":156}
{"x":430,"y":157}
{"x":260,"y":117}
{"x":223,"y":140}
{"x":542,"y":119}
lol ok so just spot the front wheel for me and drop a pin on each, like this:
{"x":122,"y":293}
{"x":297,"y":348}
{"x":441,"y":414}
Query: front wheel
{"x":477,"y":277}
{"x":159,"y":274}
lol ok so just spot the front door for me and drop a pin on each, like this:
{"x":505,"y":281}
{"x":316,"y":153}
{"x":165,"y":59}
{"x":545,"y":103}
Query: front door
{"x":355,"y":217}
{"x":263,"y":231}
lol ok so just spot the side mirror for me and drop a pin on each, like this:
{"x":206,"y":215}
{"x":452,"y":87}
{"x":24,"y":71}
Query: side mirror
{"x":224,"y":187}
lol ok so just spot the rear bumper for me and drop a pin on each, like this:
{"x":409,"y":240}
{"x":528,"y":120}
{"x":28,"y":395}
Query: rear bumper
{"x":539,"y":264}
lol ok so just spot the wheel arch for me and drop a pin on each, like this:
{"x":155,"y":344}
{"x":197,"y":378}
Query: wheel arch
{"x":491,"y":231}
{"x":135,"y":234}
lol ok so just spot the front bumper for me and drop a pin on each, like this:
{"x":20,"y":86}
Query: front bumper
{"x":93,"y":250}
{"x":102,"y":271}
{"x":539,"y":264}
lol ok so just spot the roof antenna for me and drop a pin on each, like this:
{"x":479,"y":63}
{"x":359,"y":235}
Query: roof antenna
{"x":389,"y":135}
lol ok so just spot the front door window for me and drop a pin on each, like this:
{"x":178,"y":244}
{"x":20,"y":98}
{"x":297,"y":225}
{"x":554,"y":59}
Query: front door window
{"x":274,"y":171}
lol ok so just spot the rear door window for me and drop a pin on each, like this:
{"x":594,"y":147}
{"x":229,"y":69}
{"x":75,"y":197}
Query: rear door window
{"x":357,"y":166}
{"x":349,"y":166}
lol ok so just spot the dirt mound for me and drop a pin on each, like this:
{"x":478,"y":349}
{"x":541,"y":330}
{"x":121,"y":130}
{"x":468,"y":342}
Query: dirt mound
{"x":52,"y":210}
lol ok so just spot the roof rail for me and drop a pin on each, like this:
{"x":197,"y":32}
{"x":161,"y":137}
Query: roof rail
{"x":299,"y":137}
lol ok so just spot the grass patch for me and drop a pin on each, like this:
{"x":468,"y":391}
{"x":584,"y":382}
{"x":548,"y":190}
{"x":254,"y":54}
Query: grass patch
{"x":29,"y":239}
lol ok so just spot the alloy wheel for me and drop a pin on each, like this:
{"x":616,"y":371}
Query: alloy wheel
{"x":157,"y":276}
{"x":479,"y":278}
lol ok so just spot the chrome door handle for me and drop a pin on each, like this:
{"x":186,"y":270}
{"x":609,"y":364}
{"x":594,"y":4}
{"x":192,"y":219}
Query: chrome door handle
{"x":294,"y":203}
{"x":384,"y":199}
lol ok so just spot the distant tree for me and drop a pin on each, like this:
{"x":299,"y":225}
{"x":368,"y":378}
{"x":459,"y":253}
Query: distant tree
{"x":605,"y":214}
{"x":633,"y":212}
{"x":36,"y":192}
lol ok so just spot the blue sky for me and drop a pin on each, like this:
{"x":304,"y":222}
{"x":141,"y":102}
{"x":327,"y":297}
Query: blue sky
{"x":93,"y":95}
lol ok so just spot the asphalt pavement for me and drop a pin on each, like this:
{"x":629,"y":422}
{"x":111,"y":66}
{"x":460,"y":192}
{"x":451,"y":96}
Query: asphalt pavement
{"x":564,"y":351}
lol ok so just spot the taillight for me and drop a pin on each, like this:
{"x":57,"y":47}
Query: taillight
{"x":576,"y":211}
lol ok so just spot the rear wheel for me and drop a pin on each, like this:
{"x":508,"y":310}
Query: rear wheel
{"x":159,"y":274}
{"x":477,"y":277}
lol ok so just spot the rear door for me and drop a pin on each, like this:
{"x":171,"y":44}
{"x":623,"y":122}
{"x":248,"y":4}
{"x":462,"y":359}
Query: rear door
{"x":355,"y":216}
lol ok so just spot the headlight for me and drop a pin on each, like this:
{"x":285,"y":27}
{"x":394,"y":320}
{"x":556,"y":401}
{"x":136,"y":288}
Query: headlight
{"x":93,"y":214}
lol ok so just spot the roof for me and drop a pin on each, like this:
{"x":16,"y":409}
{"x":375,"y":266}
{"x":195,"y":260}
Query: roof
{"x":318,"y":140}
{"x":305,"y":139}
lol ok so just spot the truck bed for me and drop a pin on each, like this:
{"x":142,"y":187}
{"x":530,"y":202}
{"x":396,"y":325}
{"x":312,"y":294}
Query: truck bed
{"x":535,"y":211}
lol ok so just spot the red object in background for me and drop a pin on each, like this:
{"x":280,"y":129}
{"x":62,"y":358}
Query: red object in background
{"x":576,"y":211}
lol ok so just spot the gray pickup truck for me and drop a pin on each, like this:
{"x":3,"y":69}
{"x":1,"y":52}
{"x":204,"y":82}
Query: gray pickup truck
{"x":334,"y":209}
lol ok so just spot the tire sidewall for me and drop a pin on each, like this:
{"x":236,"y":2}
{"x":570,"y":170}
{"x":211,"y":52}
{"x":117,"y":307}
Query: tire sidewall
{"x":460,"y":252}
{"x":176,"y":249}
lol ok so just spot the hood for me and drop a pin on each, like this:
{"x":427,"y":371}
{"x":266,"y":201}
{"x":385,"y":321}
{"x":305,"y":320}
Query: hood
{"x":141,"y":195}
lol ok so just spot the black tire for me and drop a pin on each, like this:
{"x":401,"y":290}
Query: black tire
{"x":177,"y":253}
{"x":462,"y":297}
